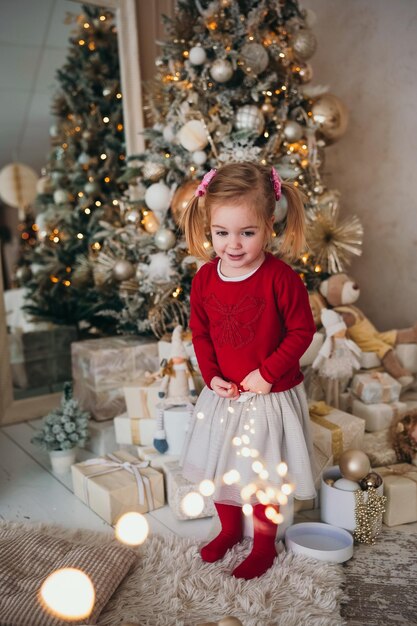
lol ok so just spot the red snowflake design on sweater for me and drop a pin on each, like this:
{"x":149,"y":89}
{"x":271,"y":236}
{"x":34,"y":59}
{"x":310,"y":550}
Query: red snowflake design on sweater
{"x":234,"y":324}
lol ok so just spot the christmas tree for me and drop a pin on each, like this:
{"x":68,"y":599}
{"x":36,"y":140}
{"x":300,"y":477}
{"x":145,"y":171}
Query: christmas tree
{"x":80,"y":185}
{"x":233,"y":83}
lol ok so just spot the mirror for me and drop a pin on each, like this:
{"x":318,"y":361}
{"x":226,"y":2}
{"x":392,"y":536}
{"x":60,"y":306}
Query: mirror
{"x":137,"y":20}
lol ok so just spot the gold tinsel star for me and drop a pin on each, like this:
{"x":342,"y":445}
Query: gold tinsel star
{"x":333,"y":243}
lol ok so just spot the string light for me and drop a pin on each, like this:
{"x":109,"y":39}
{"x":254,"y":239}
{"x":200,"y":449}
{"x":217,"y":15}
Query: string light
{"x":81,"y":42}
{"x":103,"y":156}
{"x":87,"y":210}
{"x":80,"y":236}
{"x":106,"y":119}
{"x":97,"y":203}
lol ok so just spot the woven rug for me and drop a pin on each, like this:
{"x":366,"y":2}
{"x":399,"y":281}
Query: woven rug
{"x":381,"y":580}
{"x":171,"y":586}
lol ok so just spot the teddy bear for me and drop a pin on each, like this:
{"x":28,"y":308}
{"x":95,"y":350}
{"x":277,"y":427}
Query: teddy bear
{"x":340,"y":292}
{"x":177,"y":386}
{"x":403,"y":434}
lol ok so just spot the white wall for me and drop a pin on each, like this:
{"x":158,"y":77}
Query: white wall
{"x":367,"y":54}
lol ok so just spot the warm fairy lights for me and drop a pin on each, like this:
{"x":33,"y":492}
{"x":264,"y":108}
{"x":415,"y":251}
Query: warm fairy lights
{"x":68,"y":594}
{"x":132,"y":529}
{"x":247,"y":509}
{"x":282,"y":469}
{"x":206,"y":488}
{"x":231,"y":477}
{"x":192,"y":504}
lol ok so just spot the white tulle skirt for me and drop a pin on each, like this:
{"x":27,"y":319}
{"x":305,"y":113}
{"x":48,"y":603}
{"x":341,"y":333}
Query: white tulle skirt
{"x":227,"y":435}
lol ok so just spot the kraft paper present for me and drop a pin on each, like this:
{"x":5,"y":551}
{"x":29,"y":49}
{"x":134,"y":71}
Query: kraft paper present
{"x":101,"y":367}
{"x":141,"y":398}
{"x":377,"y":416}
{"x":117,"y":484}
{"x":178,"y":487}
{"x":400,"y":488}
{"x":334,"y":431}
{"x":155,"y":458}
{"x":376,"y":387}
{"x":134,"y":431}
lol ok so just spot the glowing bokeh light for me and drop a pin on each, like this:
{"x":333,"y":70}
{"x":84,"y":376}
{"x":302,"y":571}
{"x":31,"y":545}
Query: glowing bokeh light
{"x":282,"y":469}
{"x":68,"y":593}
{"x":206,"y":487}
{"x":247,"y":509}
{"x":192,"y":504}
{"x":132,"y":529}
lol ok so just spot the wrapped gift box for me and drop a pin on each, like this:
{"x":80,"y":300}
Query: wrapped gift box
{"x":155,"y":458}
{"x":334,"y":431}
{"x":378,"y":447}
{"x":101,"y":367}
{"x":102,"y":437}
{"x":176,"y":422}
{"x":370,"y":360}
{"x":376,"y":387}
{"x":178,"y":487}
{"x":407,"y":354}
{"x":41,"y":358}
{"x":110,"y":489}
{"x":134,"y":431}
{"x":338,"y":506}
{"x":141,"y":398}
{"x":400,"y":488}
{"x":377,"y":416}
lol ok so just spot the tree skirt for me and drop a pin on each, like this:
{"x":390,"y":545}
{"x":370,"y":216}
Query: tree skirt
{"x":171,"y":586}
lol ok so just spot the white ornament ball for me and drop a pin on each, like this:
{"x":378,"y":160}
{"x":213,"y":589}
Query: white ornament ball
{"x":293,"y":131}
{"x":168,"y":133}
{"x":91,"y":188}
{"x":44,"y":185}
{"x":158,"y":197}
{"x":249,"y":117}
{"x":197,"y":55}
{"x":61,"y":196}
{"x":123,"y":270}
{"x":221,"y":71}
{"x":199,"y":157}
{"x":344,"y":484}
{"x":84,"y":158}
{"x":165,"y":239}
{"x":255,"y":58}
{"x":193,"y":136}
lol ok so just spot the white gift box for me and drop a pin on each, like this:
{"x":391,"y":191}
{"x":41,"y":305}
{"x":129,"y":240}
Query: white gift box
{"x":338,"y":506}
{"x":376,"y":387}
{"x":155,"y":458}
{"x":313,"y":350}
{"x":102,"y":439}
{"x":134,"y":431}
{"x":142,"y":398}
{"x":370,"y":360}
{"x":407,"y":354}
{"x":176,"y":422}
{"x":377,"y":416}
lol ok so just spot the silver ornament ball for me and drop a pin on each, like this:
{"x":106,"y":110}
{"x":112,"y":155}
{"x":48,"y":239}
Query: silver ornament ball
{"x":123,"y":270}
{"x":91,"y":188}
{"x":255,"y":58}
{"x":197,"y":55}
{"x":153,"y":171}
{"x":249,"y":117}
{"x":221,"y":71}
{"x":165,"y":239}
{"x":61,"y":196}
{"x":132,"y":216}
{"x":199,"y":157}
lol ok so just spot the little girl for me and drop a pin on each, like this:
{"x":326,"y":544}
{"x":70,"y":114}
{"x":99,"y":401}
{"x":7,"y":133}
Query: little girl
{"x":251,"y":322}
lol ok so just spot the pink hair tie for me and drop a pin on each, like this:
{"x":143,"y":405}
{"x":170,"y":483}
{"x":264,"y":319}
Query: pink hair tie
{"x":276,"y":183}
{"x":207,"y":178}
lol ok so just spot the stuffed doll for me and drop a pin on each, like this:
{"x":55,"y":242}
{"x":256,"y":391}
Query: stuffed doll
{"x":338,"y":357}
{"x":177,"y":387}
{"x":341,"y":292}
{"x":404,"y":437}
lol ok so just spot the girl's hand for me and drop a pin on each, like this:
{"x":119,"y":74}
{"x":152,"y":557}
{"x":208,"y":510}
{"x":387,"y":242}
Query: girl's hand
{"x":255,"y":383}
{"x":223,"y":388}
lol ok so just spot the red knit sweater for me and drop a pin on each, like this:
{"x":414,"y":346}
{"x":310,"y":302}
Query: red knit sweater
{"x":263,"y":321}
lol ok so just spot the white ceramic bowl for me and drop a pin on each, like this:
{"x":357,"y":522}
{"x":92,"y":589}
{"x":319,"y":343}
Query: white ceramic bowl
{"x":320,"y":541}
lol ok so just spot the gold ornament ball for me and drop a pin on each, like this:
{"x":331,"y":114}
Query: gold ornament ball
{"x":255,"y":58}
{"x":123,"y":270}
{"x":153,"y":171}
{"x":305,"y":72}
{"x":293,"y":131}
{"x":304,"y":44}
{"x":331,"y":116}
{"x":354,"y":464}
{"x":182,"y":196}
{"x":165,"y":239}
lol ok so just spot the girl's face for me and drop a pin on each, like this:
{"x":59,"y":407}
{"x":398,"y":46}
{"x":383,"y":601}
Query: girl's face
{"x":238,"y":239}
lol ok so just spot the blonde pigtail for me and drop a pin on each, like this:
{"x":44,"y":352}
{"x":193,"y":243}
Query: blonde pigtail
{"x":193,"y":223}
{"x":294,"y":240}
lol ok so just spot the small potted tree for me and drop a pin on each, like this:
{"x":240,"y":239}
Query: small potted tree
{"x":63,"y":431}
